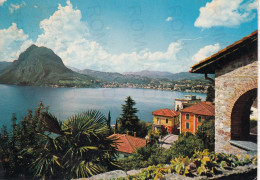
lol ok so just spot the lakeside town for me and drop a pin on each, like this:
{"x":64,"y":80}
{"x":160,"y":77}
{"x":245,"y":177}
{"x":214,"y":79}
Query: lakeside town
{"x":189,"y":86}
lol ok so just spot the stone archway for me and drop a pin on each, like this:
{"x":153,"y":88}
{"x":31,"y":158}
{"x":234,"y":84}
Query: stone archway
{"x":229,"y":124}
{"x":240,"y":116}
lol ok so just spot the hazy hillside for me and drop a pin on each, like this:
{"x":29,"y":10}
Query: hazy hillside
{"x":116,"y":77}
{"x":168,"y":75}
{"x":4,"y":66}
{"x":41,"y":66}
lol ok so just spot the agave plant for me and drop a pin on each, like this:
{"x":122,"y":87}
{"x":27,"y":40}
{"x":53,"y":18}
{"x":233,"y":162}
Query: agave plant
{"x":78,"y":147}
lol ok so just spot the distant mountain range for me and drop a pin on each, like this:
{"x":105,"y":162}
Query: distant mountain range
{"x":40,"y":66}
{"x":142,"y":75}
{"x":168,"y":75}
{"x":116,"y":77}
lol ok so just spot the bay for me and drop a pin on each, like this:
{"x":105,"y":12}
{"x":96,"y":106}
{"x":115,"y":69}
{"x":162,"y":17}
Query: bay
{"x":65,"y":102}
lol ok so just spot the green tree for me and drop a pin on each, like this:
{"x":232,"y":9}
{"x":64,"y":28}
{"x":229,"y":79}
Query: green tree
{"x":129,"y":120}
{"x":206,"y":132}
{"x":210,"y":94}
{"x":21,"y":136}
{"x":186,"y":145}
{"x":77,"y":148}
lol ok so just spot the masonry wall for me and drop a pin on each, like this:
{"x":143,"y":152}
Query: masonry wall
{"x":232,"y":81}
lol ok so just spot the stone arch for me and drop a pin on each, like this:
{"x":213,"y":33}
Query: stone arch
{"x":238,"y":110}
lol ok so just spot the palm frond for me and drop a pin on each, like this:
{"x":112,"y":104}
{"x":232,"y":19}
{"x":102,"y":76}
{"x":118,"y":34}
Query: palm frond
{"x":51,"y":123}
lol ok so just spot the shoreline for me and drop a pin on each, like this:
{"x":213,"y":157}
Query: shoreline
{"x":56,"y":86}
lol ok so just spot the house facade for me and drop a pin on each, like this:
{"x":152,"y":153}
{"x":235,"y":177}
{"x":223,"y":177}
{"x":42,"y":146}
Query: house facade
{"x":192,"y":117}
{"x":166,"y":120}
{"x":187,"y":101}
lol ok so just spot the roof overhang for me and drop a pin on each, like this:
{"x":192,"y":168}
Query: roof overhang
{"x":210,"y":64}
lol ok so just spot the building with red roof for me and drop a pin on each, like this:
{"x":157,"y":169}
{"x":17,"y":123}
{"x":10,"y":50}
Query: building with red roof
{"x":192,"y":117}
{"x":166,"y":120}
{"x":127,"y":144}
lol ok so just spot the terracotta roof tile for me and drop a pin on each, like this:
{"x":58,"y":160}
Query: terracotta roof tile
{"x":128,"y":144}
{"x":202,"y":108}
{"x":165,"y":112}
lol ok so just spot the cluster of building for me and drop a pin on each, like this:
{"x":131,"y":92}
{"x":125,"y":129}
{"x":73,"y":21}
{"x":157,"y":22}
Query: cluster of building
{"x":187,"y":116}
{"x":186,"y":87}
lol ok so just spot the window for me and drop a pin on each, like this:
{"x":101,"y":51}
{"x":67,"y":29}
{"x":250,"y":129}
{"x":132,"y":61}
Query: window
{"x":187,"y":116}
{"x":166,"y":121}
{"x":187,"y":125}
{"x":158,"y":121}
{"x":199,"y":119}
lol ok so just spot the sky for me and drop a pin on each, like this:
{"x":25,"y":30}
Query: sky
{"x":125,"y":35}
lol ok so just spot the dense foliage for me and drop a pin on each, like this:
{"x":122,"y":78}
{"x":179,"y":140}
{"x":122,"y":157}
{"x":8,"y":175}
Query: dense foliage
{"x":206,"y":132}
{"x":201,"y":163}
{"x":43,"y":147}
{"x":144,"y":157}
{"x":186,"y":144}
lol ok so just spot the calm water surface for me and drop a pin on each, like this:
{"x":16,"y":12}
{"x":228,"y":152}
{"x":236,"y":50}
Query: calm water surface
{"x":65,"y":102}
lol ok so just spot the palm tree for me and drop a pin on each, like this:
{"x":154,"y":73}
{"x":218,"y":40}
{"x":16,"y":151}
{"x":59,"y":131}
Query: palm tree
{"x":78,"y":147}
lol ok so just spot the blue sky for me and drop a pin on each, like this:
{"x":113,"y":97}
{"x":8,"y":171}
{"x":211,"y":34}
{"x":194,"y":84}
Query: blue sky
{"x":125,"y":35}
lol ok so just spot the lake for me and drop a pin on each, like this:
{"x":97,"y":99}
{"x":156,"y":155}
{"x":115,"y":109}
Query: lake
{"x":65,"y":102}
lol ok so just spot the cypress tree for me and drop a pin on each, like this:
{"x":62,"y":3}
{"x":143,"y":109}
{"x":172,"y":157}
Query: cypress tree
{"x":116,"y":126}
{"x":109,"y":122}
{"x":210,"y":94}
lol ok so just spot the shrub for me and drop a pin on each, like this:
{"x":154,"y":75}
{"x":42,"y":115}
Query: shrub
{"x":201,"y":163}
{"x":186,"y":145}
{"x":147,"y":156}
{"x":206,"y":132}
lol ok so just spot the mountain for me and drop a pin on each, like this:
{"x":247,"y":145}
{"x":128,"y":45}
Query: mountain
{"x":115,"y":77}
{"x":4,"y":66}
{"x":40,"y":66}
{"x":74,"y":69}
{"x":168,"y":75}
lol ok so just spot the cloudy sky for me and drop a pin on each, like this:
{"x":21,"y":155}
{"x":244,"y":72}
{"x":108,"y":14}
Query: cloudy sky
{"x":125,"y":35}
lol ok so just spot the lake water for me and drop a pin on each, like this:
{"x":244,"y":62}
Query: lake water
{"x":65,"y":102}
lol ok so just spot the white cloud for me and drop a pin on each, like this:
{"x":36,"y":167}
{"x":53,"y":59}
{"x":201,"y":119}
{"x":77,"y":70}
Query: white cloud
{"x":205,"y":52}
{"x":2,"y":2}
{"x":10,"y":42}
{"x":68,"y":36}
{"x":225,"y":13}
{"x":14,"y":7}
{"x":168,"y":19}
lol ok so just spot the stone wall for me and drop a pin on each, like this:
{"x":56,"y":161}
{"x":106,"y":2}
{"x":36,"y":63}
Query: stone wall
{"x":232,"y":80}
{"x":248,"y":172}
